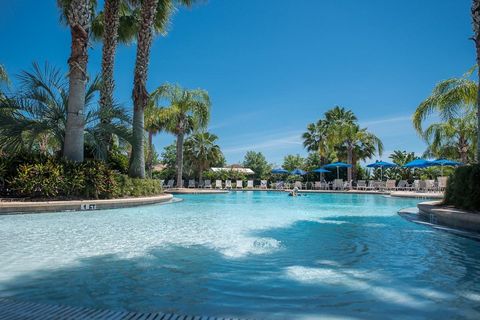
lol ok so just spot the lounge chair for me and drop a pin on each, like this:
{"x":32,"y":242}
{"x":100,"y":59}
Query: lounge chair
{"x":280,"y":185}
{"x":208,"y":184}
{"x":371,"y":185}
{"x":324,"y":185}
{"x":361,"y":185}
{"x":403,"y":185}
{"x":429,"y":185}
{"x":170,"y":184}
{"x":416,"y":185}
{"x":228,"y":184}
{"x":191,"y":183}
{"x":250,"y":184}
{"x":390,"y":185}
{"x":298,"y":185}
{"x":442,"y":183}
{"x":317,"y":185}
{"x":162,"y":183}
{"x":338,"y":184}
{"x":263,"y":184}
{"x":218,"y":184}
{"x":239,"y":184}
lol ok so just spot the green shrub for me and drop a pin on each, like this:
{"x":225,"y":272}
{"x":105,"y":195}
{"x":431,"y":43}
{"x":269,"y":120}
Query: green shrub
{"x":54,"y":178}
{"x":463,"y":188}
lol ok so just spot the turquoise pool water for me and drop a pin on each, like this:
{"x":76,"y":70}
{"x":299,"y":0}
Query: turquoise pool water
{"x":245,"y":254}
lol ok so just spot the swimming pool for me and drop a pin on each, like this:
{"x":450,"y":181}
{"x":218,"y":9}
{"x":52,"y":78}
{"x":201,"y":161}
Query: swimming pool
{"x":245,"y":254}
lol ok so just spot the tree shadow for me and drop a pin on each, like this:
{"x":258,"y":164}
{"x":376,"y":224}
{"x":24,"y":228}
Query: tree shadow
{"x":312,"y":274}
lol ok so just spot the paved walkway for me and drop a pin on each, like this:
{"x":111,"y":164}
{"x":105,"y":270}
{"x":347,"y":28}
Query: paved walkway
{"x":14,"y":310}
{"x":14,"y":207}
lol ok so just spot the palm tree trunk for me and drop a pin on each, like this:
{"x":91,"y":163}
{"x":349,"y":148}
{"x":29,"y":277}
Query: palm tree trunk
{"x":349,"y":161}
{"x":476,"y":38}
{"x":79,"y":19}
{"x":140,"y":94}
{"x":150,"y":153}
{"x":180,"y":138}
{"x":110,"y":35}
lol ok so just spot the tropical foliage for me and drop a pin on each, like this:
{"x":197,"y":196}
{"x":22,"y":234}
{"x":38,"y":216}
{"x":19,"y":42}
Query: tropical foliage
{"x":453,"y":102}
{"x":202,"y":152}
{"x":258,"y":163}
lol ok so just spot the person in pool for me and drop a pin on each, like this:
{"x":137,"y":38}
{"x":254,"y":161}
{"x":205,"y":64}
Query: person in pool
{"x":294,"y":192}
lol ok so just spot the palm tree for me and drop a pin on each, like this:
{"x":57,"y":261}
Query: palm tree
{"x":78,"y":14}
{"x":453,"y":100}
{"x":202,"y":150}
{"x":4,"y":75}
{"x":315,"y":139}
{"x":152,"y":13}
{"x":476,"y":38}
{"x":189,"y":110}
{"x":357,"y":142}
{"x":35,"y":120}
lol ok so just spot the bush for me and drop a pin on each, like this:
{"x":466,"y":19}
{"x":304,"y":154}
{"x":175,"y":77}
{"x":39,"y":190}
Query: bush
{"x":58,"y":178}
{"x":463,"y":188}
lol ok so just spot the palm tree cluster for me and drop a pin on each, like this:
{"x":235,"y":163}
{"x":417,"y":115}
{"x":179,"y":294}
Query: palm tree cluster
{"x":339,"y":136}
{"x":454,"y":135}
{"x":54,"y":115}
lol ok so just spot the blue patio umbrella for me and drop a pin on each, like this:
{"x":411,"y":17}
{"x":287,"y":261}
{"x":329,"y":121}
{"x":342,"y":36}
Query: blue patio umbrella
{"x":321,"y":170}
{"x":300,"y":172}
{"x":279,"y":171}
{"x":418,"y":163}
{"x":337,"y":165}
{"x":445,"y":162}
{"x":381,"y":165}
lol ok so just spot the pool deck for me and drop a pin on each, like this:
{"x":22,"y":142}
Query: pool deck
{"x":15,"y":207}
{"x":449,"y":216}
{"x":195,"y":191}
{"x":12,"y":310}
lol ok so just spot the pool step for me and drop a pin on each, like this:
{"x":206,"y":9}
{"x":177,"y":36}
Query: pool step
{"x":14,"y":310}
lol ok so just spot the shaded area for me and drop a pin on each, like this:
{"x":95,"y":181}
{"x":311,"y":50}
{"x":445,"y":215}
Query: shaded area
{"x":372,"y":268}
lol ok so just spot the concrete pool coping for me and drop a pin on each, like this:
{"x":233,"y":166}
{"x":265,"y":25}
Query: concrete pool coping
{"x":18,"y":207}
{"x":437,"y":213}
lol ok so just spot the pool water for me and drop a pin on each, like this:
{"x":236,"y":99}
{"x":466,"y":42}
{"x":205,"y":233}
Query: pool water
{"x":245,"y":254}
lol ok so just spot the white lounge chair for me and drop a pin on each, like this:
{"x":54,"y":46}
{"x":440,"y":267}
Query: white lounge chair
{"x":162,"y":183}
{"x":280,"y":185}
{"x":263,"y":184}
{"x":416,"y":185}
{"x":390,"y":185}
{"x":207,"y":184}
{"x":191,"y":183}
{"x":250,"y":184}
{"x":403,"y":185}
{"x":218,"y":184}
{"x":338,"y":184}
{"x":361,"y":185}
{"x":170,"y":184}
{"x":442,"y":183}
{"x":317,"y":185}
{"x":429,"y":185}
{"x":228,"y":184}
{"x":298,"y":185}
{"x":239,"y":184}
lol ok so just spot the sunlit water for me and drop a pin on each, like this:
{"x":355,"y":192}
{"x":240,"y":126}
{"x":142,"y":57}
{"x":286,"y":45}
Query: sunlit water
{"x":245,"y":254}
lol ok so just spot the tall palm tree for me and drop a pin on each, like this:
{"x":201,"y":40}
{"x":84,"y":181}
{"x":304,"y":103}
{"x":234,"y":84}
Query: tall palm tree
{"x":152,"y":13}
{"x":189,"y":110}
{"x":4,"y":75}
{"x":453,"y":100}
{"x":78,"y":14}
{"x":315,"y":139}
{"x":357,"y":142}
{"x":476,"y":38}
{"x":35,"y":120}
{"x":202,"y":150}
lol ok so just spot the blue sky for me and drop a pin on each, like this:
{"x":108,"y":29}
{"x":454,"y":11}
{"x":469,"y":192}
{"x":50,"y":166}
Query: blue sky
{"x":273,"y":66}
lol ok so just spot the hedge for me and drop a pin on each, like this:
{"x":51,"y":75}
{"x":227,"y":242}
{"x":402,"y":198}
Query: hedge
{"x":463,"y":188}
{"x":57,"y":178}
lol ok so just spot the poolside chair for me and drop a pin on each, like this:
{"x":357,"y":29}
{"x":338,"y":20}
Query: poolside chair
{"x":371,"y":185}
{"x":338,"y":184}
{"x":442,"y":183}
{"x":403,"y":185}
{"x":280,"y":185}
{"x":239,"y":184}
{"x":263,"y":184}
{"x":390,"y":185}
{"x":170,"y":184}
{"x":218,"y":184}
{"x":361,"y":185}
{"x":317,"y":185}
{"x":162,"y":183}
{"x":250,"y":184}
{"x":381,"y":185}
{"x":422,"y":186}
{"x":298,"y":185}
{"x":228,"y":184}
{"x":429,"y":185}
{"x":208,"y":184}
{"x":324,"y":185}
{"x":191,"y":183}
{"x":416,"y":185}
